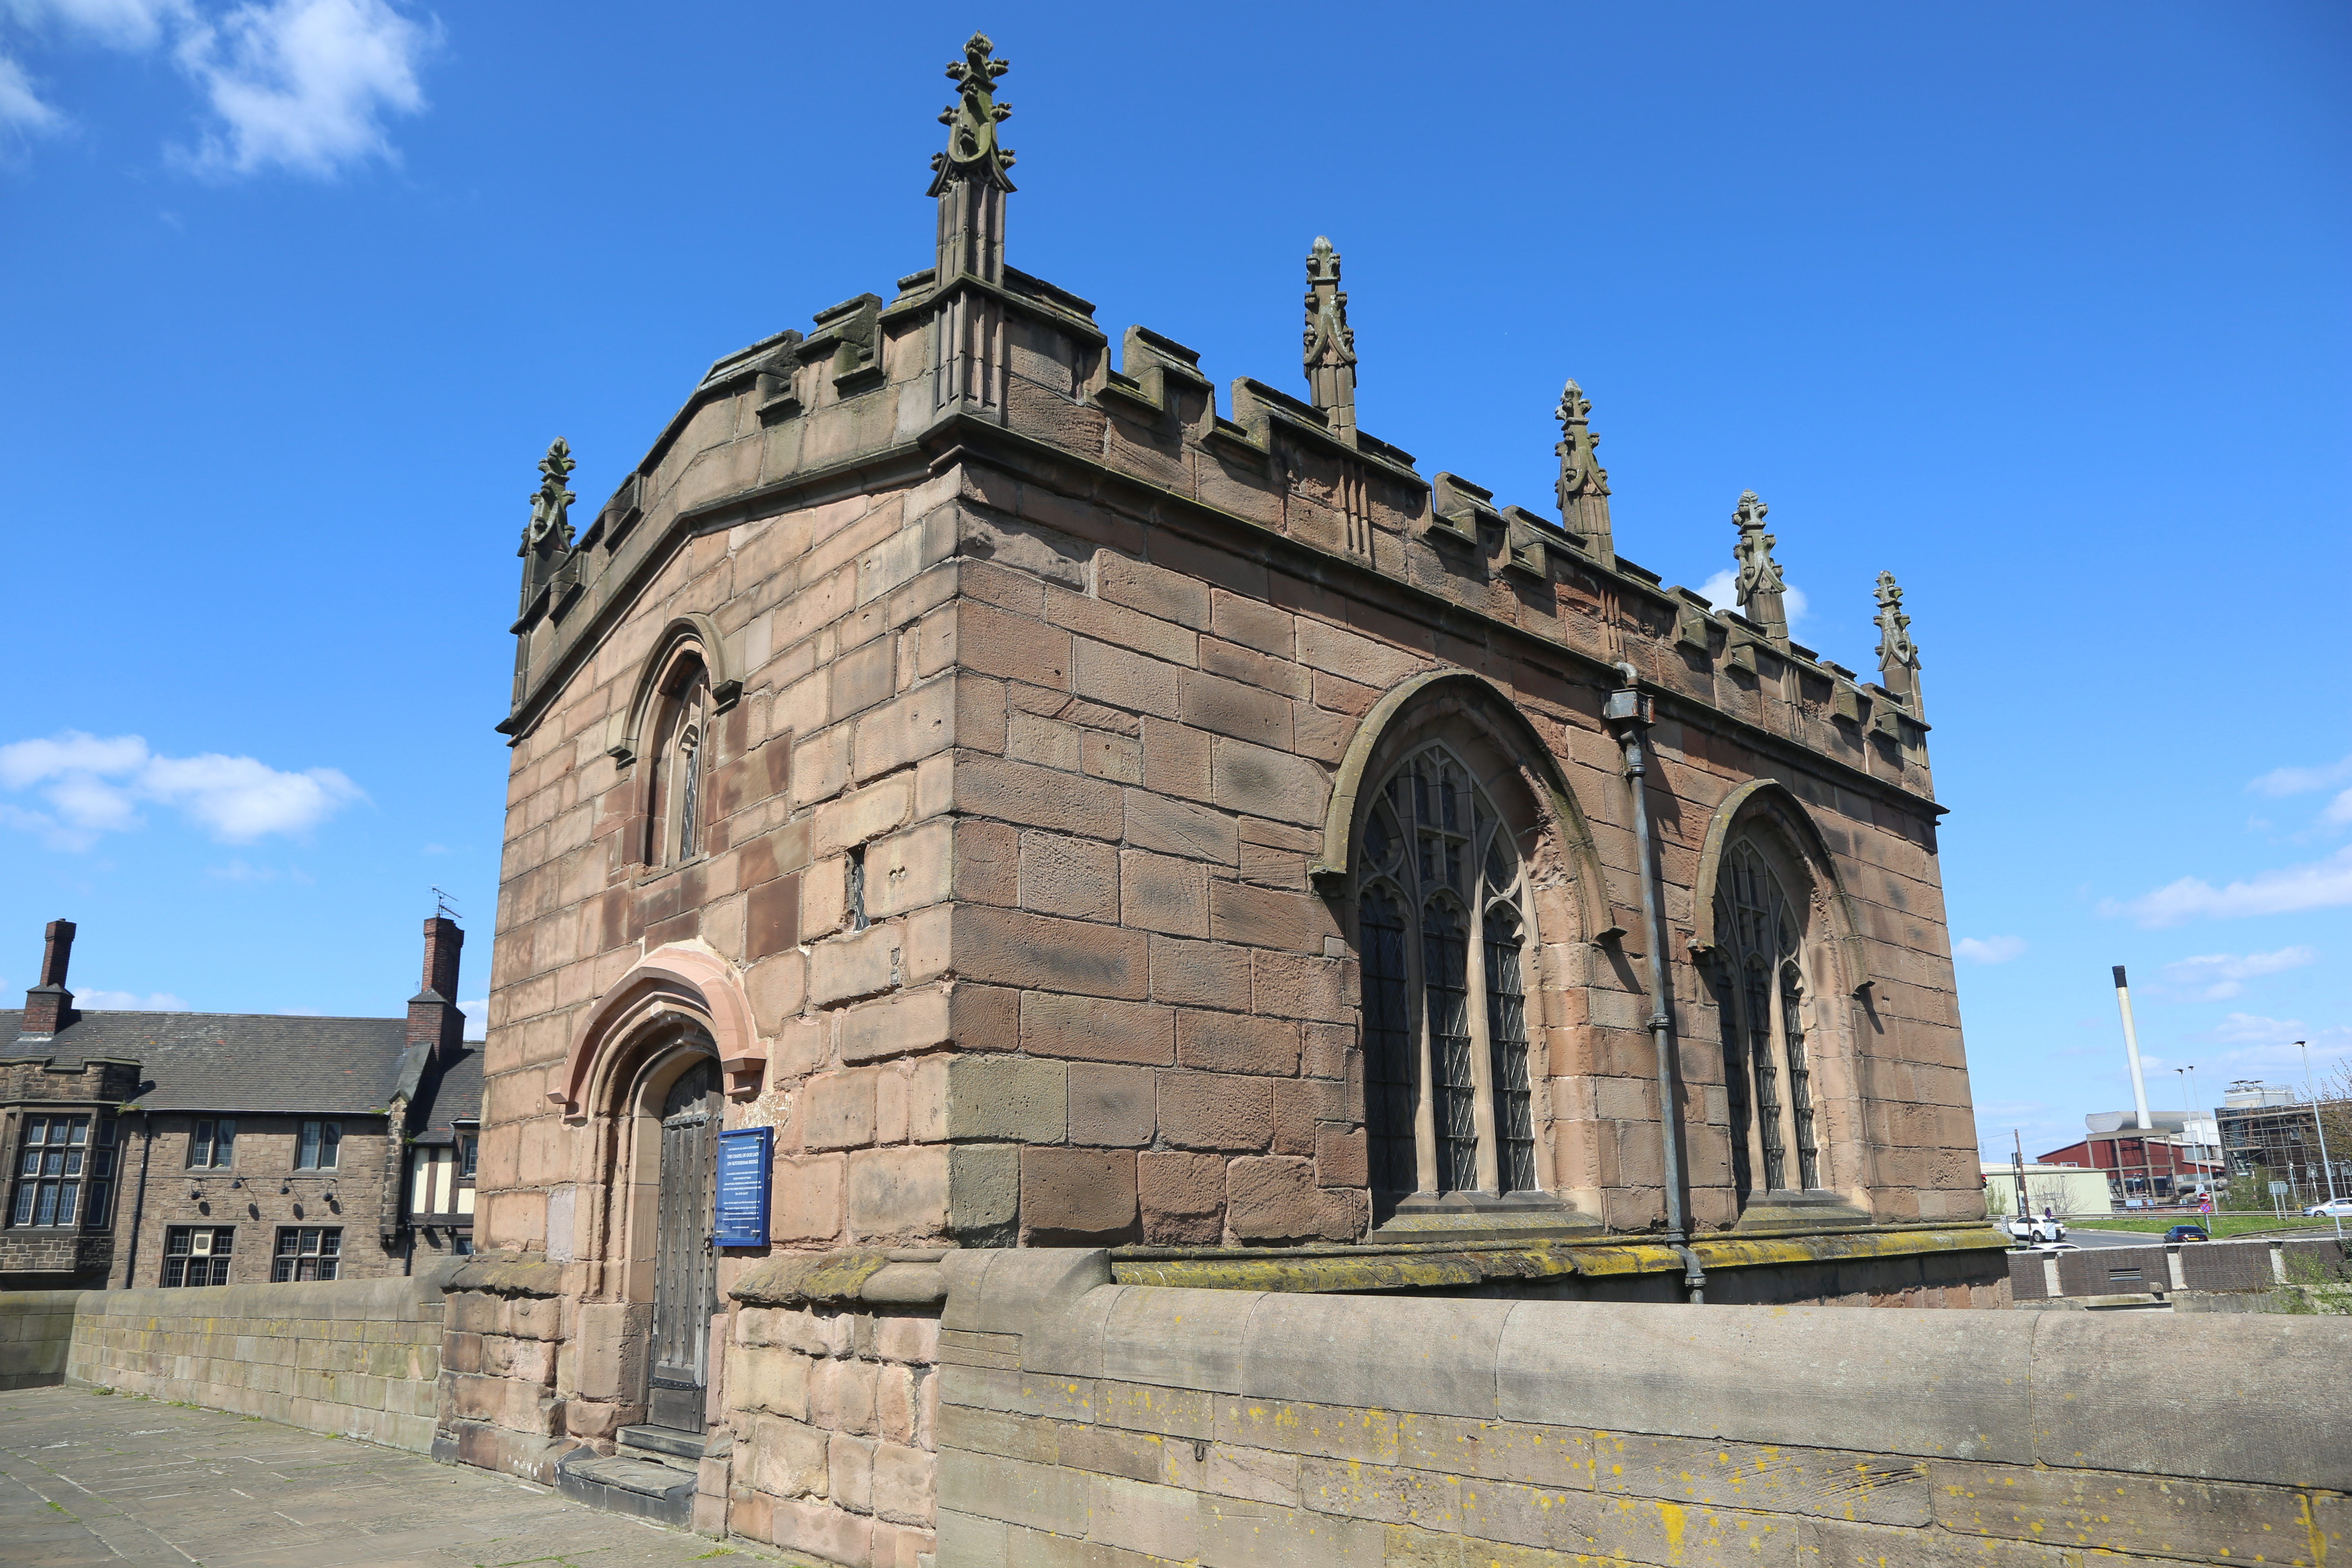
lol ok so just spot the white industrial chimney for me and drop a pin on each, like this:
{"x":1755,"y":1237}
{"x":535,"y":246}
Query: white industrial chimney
{"x":2131,"y":1049}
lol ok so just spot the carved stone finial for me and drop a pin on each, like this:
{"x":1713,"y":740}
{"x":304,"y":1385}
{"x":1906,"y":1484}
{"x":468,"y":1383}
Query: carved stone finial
{"x":969,"y":178}
{"x":971,"y":119}
{"x":1760,"y":588}
{"x":1330,"y":343}
{"x":1583,"y":483}
{"x":1898,"y":655}
{"x":550,"y":504}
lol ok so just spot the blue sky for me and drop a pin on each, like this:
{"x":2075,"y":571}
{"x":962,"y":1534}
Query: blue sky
{"x":2043,"y":308}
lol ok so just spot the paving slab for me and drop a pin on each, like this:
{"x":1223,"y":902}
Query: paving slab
{"x":89,"y":1478}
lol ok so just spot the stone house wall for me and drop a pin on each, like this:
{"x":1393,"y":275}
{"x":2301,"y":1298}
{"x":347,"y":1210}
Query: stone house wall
{"x":39,"y":1259}
{"x":263,"y":1160}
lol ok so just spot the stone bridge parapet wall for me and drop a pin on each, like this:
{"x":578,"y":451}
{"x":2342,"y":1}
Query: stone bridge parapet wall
{"x":1084,"y":1421}
{"x":357,"y":1358}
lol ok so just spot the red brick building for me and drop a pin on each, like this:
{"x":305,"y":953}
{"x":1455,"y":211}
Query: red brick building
{"x":2143,"y":1165}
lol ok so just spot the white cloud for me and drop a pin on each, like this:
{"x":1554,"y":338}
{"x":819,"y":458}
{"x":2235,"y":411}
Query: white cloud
{"x":2253,"y":1028}
{"x":304,"y":84}
{"x":2318,"y":884}
{"x":130,"y":1001}
{"x":478,"y":1018}
{"x":20,"y":106}
{"x":1722,"y":590}
{"x":94,"y":785}
{"x":119,"y":23}
{"x":2339,"y":811}
{"x":2300,"y":781}
{"x":1989,"y":950}
{"x":2221,"y":973}
{"x":28,"y":762}
{"x":241,"y":799}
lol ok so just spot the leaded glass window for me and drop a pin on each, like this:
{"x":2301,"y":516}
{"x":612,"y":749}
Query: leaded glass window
{"x":1759,"y":993}
{"x":306,"y":1252}
{"x":64,"y":1171}
{"x":196,"y":1256}
{"x":677,"y":793}
{"x":1443,"y":936}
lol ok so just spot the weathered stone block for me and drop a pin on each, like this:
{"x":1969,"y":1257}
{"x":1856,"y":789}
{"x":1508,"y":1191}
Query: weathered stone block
{"x":1009,"y":1099}
{"x":1111,"y":1107}
{"x":1077,"y":1196}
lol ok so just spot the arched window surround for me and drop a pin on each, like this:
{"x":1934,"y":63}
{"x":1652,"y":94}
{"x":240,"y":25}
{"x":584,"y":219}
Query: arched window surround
{"x":664,"y":735}
{"x":1782,"y":961}
{"x":1555,"y":899}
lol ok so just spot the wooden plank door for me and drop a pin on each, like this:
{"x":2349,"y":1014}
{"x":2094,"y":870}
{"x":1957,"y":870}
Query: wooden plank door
{"x":686,"y":1267}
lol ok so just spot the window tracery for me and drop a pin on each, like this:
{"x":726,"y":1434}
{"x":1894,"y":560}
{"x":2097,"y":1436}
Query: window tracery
{"x":1441,"y":884}
{"x":676,"y":795}
{"x":1761,"y":1001}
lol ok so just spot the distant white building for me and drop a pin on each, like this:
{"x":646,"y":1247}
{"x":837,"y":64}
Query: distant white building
{"x":2062,"y":1189}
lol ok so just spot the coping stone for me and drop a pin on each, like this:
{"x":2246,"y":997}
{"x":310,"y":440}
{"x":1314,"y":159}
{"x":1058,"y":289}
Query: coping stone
{"x":1939,"y":1384}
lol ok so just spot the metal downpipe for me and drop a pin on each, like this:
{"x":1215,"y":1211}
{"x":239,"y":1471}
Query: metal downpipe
{"x":1630,"y":711}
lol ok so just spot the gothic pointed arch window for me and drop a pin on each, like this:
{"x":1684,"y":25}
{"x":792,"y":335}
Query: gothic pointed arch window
{"x":678,"y":790}
{"x":1447,"y":942}
{"x":1762,"y":1000}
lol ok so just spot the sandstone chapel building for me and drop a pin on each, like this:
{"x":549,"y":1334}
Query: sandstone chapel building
{"x":1065,"y":813}
{"x":182,"y":1150}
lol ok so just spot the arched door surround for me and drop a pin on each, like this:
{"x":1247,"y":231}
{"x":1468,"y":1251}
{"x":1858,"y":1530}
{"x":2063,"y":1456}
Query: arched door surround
{"x":687,"y":980}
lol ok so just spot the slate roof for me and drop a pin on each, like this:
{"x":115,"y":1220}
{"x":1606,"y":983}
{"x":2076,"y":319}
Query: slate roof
{"x":256,"y":1062}
{"x":454,"y":1096}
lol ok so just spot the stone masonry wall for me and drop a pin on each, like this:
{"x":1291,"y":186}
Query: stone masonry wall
{"x":1086,"y":1422}
{"x":35,"y":1330}
{"x":358,"y":1358}
{"x":832,"y":1405}
{"x":1076,"y":734}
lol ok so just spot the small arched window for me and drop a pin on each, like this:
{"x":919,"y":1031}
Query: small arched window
{"x":678,"y":792}
{"x":1761,"y":1001}
{"x":1443,"y":933}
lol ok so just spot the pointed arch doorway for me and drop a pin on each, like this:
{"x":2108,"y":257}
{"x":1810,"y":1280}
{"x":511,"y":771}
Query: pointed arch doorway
{"x":686,"y":1280}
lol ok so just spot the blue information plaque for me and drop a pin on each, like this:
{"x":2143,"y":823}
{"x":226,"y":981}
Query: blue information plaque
{"x":743,"y":1168}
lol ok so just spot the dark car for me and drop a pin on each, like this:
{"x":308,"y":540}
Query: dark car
{"x":2186,"y":1233}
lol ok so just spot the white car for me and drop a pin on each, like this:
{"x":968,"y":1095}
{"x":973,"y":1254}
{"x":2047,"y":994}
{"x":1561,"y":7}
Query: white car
{"x":2034,"y":1230}
{"x":2341,"y":1207}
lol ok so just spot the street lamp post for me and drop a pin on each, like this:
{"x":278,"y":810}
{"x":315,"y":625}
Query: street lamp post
{"x":2320,"y":1122}
{"x":2195,"y":1151}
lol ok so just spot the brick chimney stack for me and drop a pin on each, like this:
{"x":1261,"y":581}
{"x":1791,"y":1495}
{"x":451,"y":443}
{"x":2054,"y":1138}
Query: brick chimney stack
{"x":433,"y":1015}
{"x":49,"y":1006}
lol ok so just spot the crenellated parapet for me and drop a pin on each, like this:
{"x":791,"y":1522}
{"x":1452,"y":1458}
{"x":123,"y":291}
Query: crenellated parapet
{"x":974,"y":360}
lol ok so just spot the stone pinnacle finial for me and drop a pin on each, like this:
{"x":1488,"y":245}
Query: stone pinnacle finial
{"x":550,"y":504}
{"x":1760,"y":588}
{"x":1898,"y":655}
{"x":1583,"y":483}
{"x":968,"y":178}
{"x":971,"y":119}
{"x":1330,"y":343}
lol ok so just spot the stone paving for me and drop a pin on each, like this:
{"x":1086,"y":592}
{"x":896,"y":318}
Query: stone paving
{"x":96,"y":1478}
